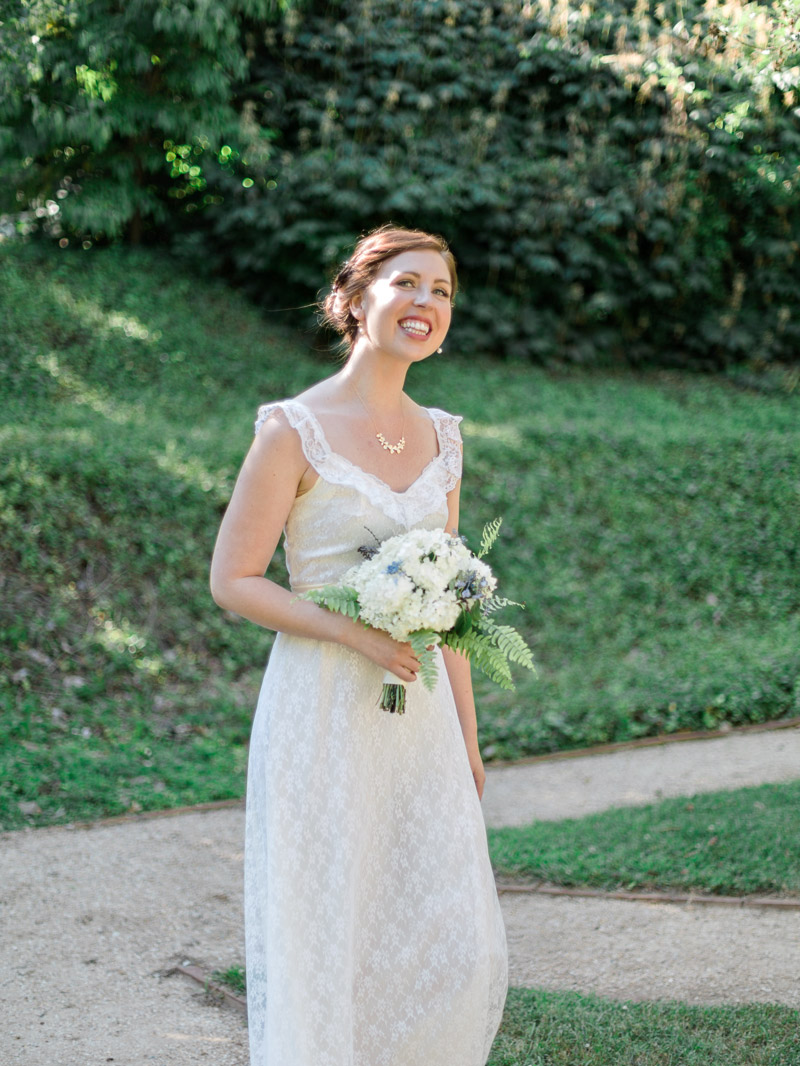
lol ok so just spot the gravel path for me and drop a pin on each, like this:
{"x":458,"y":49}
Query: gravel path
{"x":571,"y":787}
{"x":92,"y":922}
{"x":653,"y":950}
{"x":94,"y":919}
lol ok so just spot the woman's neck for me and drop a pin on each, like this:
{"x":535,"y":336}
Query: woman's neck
{"x":378,"y":380}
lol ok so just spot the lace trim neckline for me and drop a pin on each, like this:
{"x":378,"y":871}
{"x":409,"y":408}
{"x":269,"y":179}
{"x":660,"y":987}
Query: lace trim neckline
{"x":323,"y":440}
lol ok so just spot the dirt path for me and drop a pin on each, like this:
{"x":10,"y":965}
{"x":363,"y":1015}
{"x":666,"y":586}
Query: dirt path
{"x":94,"y":919}
{"x":569,"y":788}
{"x":653,"y":950}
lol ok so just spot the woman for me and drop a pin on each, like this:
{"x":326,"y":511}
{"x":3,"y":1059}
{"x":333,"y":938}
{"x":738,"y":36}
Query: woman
{"x":374,"y":935}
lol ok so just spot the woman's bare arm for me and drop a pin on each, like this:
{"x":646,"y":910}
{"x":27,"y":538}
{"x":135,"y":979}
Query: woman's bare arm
{"x":248,"y":537}
{"x":460,"y":675}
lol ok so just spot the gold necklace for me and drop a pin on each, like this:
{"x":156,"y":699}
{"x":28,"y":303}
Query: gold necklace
{"x":393,"y":449}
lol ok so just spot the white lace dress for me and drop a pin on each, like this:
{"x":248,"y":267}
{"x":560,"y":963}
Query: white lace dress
{"x":373,"y":929}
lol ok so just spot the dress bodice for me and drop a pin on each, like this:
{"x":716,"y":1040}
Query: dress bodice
{"x":348,"y":507}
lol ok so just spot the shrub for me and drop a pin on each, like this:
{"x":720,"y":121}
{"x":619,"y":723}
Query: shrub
{"x":619,"y":185}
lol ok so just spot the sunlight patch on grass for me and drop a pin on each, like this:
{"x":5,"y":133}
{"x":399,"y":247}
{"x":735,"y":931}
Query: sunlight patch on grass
{"x":109,"y":322}
{"x":504,"y":434}
{"x":190,"y":469}
{"x":97,"y":399}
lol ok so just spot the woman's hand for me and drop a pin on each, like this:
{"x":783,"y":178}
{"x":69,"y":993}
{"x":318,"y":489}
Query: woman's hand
{"x":393,"y":655}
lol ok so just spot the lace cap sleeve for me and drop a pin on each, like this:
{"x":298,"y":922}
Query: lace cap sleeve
{"x":450,"y":445}
{"x":264,"y":411}
{"x":315,"y":447}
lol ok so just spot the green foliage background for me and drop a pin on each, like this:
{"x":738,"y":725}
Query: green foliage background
{"x":620,"y":184}
{"x":620,"y":181}
{"x":111,"y":114}
{"x":649,"y":526}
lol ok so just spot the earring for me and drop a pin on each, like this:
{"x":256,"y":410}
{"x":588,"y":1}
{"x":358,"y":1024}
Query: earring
{"x":438,"y":351}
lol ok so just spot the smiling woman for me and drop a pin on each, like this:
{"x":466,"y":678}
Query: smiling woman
{"x":379,"y":817}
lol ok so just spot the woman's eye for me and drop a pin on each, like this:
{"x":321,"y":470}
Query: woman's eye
{"x":442,"y":292}
{"x":405,"y":281}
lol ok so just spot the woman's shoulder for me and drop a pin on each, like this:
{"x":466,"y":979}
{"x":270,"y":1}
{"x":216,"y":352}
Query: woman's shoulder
{"x":289,"y":412}
{"x":290,"y":427}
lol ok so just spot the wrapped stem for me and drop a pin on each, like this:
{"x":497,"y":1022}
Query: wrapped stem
{"x":393,"y":695}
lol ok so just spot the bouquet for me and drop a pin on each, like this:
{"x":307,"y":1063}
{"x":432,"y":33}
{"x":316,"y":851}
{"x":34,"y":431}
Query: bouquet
{"x":426,"y":587}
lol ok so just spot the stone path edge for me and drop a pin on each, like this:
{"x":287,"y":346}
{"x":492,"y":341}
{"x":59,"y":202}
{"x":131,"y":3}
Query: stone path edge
{"x":648,"y":742}
{"x":544,"y":888}
{"x":190,"y":970}
{"x":133,"y":816}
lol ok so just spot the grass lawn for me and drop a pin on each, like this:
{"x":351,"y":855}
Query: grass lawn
{"x":566,"y":1029}
{"x":650,"y":525}
{"x":728,"y":843}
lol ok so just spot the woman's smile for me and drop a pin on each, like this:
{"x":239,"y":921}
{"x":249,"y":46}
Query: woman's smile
{"x":415,"y":327}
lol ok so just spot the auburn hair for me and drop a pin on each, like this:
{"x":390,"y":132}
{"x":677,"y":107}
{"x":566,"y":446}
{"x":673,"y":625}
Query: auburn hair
{"x":358,"y":271}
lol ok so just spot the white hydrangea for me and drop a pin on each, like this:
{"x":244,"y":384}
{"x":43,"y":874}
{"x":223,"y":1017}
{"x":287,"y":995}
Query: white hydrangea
{"x":419,"y":580}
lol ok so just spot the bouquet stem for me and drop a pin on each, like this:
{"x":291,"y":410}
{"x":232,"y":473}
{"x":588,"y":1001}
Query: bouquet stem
{"x":393,"y":695}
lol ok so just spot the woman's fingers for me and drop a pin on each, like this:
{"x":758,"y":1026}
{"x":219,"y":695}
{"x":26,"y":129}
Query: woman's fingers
{"x":396,"y":656}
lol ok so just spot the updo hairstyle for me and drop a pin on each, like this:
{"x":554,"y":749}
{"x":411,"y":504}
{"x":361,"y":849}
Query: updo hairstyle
{"x":358,"y":272}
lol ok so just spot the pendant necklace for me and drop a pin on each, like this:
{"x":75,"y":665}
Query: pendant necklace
{"x":393,"y":449}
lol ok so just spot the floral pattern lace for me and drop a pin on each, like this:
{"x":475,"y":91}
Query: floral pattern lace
{"x":374,"y":934}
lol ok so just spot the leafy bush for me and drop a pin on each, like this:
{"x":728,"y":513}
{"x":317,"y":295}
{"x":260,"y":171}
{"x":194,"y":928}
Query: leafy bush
{"x":619,"y":180}
{"x":619,"y":184}
{"x":111,"y":114}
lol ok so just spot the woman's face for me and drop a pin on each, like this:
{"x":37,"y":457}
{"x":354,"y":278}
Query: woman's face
{"x":405,"y":311}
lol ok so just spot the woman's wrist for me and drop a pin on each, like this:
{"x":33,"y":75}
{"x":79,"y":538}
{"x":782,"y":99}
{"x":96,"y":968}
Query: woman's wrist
{"x":345,"y":630}
{"x":472,"y":745}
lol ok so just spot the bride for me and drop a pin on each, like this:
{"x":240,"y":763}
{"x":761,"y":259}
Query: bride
{"x":373,"y":930}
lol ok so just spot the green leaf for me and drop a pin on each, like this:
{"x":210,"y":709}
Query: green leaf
{"x":339,"y":598}
{"x":421,"y":643}
{"x":489,"y":536}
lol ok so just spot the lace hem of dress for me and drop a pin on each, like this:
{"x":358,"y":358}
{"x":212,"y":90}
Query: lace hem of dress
{"x":421,"y":498}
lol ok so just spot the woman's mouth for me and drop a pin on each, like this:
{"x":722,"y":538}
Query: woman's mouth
{"x":415,"y":327}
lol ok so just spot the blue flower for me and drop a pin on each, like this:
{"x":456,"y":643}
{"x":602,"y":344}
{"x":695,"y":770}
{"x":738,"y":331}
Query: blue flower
{"x":394,"y":568}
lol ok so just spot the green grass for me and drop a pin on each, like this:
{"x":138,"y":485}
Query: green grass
{"x":233,"y":978}
{"x":566,"y":1029}
{"x":728,"y":843}
{"x":649,"y":525}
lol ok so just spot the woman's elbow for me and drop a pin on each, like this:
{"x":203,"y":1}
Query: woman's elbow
{"x":221,"y":588}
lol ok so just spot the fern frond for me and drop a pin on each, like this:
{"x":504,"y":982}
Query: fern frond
{"x":480,"y":650}
{"x":513,"y":646}
{"x":428,"y":670}
{"x":489,"y":536}
{"x":420,"y":640}
{"x":498,"y":602}
{"x":491,"y":661}
{"x":338,"y":598}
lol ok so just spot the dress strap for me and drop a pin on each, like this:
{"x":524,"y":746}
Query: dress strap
{"x":315,"y":447}
{"x":450,"y":445}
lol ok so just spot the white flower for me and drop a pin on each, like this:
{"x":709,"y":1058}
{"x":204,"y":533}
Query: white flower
{"x":419,"y":580}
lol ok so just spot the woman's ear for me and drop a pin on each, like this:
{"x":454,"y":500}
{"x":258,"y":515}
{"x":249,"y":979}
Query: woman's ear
{"x":357,"y":307}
